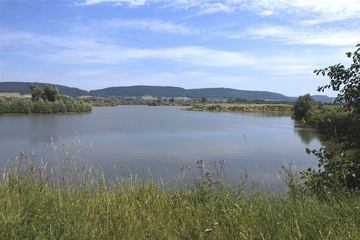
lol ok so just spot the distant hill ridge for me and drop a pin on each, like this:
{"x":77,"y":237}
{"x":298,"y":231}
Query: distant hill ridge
{"x":160,"y":91}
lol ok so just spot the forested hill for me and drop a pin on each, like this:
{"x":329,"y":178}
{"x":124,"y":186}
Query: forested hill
{"x":159,"y":91}
{"x":172,"y":92}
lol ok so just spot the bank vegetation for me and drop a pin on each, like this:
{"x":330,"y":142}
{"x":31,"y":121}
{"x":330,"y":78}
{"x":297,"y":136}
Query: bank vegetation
{"x":286,"y":109}
{"x":59,"y":199}
{"x":46,"y":100}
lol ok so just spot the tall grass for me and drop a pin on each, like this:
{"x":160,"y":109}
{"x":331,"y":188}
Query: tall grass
{"x":68,"y":201}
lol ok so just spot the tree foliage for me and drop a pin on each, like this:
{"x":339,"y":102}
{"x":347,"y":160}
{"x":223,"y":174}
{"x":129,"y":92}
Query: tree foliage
{"x":340,"y":165}
{"x":36,"y":92}
{"x":303,"y":106}
{"x":347,"y":82}
{"x":26,"y":105}
{"x":50,"y":93}
{"x":47,"y":92}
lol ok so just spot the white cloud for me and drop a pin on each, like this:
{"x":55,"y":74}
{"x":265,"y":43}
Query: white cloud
{"x":68,"y":50}
{"x":311,"y":12}
{"x":266,"y":13}
{"x":215,"y":8}
{"x":131,"y":3}
{"x":304,"y":36}
{"x":345,"y":8}
{"x":190,"y":55}
{"x":150,"y":25}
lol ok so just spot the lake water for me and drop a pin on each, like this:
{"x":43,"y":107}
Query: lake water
{"x":162,"y":139}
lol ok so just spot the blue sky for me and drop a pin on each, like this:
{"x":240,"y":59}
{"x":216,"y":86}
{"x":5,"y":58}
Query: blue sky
{"x":269,"y":45}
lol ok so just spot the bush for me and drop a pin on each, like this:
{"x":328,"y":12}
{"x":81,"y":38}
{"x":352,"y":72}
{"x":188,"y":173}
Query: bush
{"x":339,"y":167}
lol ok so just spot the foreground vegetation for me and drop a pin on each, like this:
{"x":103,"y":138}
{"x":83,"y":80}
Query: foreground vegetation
{"x":68,"y":201}
{"x":340,"y":126}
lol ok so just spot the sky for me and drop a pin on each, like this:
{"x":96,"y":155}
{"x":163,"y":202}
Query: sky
{"x":267,"y":45}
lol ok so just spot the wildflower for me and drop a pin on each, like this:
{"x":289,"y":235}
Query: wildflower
{"x":200,"y":161}
{"x":208,"y":183}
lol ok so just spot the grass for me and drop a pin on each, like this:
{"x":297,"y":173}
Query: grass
{"x":68,"y":201}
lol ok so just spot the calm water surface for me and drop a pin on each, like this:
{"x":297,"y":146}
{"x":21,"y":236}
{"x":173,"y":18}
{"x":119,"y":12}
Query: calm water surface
{"x":163,"y":139}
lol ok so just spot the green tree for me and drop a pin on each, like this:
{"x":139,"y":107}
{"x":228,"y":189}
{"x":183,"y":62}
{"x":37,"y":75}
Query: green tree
{"x":303,"y":106}
{"x":347,"y":82}
{"x":61,"y":106}
{"x":47,"y":107}
{"x":36,"y":92}
{"x":4,"y":106}
{"x":340,"y":166}
{"x":39,"y":106}
{"x":50,"y":92}
{"x":22,"y":105}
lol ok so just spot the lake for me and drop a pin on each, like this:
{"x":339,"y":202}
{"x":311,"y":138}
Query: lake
{"x":163,"y":139}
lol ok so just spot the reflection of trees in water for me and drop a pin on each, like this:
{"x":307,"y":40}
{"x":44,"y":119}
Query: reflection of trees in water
{"x":305,"y":132}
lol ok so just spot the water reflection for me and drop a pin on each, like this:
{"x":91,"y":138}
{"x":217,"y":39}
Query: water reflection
{"x":305,"y":132}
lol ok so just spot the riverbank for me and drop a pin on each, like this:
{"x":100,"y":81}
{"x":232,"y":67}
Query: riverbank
{"x":77,"y":202}
{"x":285,"y":109}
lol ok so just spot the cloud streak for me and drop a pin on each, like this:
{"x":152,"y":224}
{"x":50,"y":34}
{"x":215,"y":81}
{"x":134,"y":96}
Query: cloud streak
{"x":327,"y":10}
{"x":152,"y":25}
{"x":79,"y":51}
{"x":303,"y":36}
{"x":131,"y":3}
{"x":191,"y":55}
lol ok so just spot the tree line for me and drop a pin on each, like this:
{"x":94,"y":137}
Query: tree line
{"x":46,"y":100}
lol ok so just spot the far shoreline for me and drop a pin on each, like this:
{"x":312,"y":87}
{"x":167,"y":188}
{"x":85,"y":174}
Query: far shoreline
{"x":286,"y":109}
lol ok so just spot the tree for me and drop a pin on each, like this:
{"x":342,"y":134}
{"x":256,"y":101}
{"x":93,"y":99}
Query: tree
{"x":347,"y":82}
{"x":36,"y":92}
{"x":4,"y":105}
{"x":340,"y":166}
{"x":39,"y":106}
{"x":303,"y":106}
{"x":50,"y":93}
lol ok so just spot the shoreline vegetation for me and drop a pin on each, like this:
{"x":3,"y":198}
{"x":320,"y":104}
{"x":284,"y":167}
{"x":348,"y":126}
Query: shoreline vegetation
{"x":60,"y":199}
{"x":18,"y":104}
{"x":286,"y":109}
{"x":45,"y":100}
